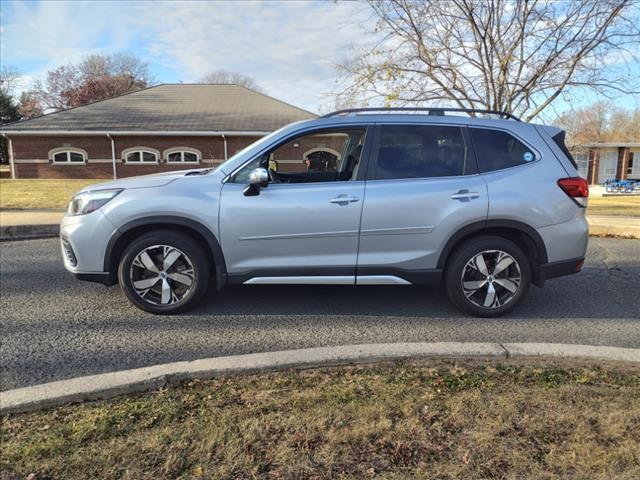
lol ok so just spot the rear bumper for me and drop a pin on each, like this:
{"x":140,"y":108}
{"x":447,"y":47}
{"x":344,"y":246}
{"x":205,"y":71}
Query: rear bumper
{"x":560,"y":269}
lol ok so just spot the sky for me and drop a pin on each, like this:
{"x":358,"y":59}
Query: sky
{"x":290,"y":48}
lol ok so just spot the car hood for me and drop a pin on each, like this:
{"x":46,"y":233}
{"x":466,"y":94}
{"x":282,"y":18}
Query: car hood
{"x":146,"y":181}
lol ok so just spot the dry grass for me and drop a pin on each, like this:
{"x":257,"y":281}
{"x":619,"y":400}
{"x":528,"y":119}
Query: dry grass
{"x":629,"y":206}
{"x":36,"y":193}
{"x":432,"y":420}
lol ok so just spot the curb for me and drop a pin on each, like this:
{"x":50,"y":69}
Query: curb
{"x":108,"y":385}
{"x":25,"y":232}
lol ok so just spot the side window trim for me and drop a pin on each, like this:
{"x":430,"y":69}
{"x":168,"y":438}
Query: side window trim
{"x":364,"y":157}
{"x":536,"y":152}
{"x":374,"y":149}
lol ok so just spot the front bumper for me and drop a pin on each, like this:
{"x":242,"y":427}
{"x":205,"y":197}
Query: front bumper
{"x":83,"y":242}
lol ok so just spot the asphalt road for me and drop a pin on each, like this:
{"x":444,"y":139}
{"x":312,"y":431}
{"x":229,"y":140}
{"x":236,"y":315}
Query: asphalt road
{"x":54,"y":327}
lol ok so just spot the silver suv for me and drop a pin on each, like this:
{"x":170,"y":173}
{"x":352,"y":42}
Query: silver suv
{"x":475,"y":200}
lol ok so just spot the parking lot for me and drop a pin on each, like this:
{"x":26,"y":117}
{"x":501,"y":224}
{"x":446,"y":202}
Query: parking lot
{"x":54,"y":327}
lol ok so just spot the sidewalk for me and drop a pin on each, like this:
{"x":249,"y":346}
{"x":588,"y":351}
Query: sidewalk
{"x":614,"y":225}
{"x":31,"y":217}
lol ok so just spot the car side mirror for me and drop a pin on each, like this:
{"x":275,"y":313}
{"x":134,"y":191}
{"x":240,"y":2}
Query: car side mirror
{"x":258,"y":178}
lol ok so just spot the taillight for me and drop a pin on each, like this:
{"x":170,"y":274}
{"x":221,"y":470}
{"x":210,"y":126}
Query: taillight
{"x":577,"y":188}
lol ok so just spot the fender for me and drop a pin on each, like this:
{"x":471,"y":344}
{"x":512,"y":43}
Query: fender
{"x":168,"y":221}
{"x":494,"y":223}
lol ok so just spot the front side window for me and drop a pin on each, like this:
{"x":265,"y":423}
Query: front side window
{"x":496,"y":149}
{"x":325,"y":156}
{"x":420,"y":151}
{"x":69,"y":156}
{"x":141,"y":156}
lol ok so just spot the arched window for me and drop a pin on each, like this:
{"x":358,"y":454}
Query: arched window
{"x":67,"y":155}
{"x":140,"y":155}
{"x":182,"y":155}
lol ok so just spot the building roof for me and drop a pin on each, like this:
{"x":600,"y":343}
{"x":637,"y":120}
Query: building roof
{"x":172,"y":108}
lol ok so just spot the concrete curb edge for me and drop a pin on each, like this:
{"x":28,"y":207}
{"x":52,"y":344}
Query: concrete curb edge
{"x":28,"y":232}
{"x":108,"y":385}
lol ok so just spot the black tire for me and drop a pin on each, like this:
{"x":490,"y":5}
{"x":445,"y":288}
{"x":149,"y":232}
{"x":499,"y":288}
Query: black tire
{"x":191,"y":253}
{"x":458,"y":265}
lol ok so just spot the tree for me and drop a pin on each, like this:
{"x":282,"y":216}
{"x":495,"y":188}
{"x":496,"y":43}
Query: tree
{"x":517,"y":57}
{"x":9,"y":78}
{"x":600,"y":122}
{"x":224,"y":76}
{"x":8,"y":113}
{"x":30,"y":105}
{"x":95,"y":78}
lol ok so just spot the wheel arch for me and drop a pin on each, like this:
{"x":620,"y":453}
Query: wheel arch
{"x":124,"y":235}
{"x":523,"y":235}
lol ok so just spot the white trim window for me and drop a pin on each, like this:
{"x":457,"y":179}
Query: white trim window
{"x":68,"y":156}
{"x":582,"y":160}
{"x":182,"y":155}
{"x":633,"y":167}
{"x":140,"y":156}
{"x":608,"y":165}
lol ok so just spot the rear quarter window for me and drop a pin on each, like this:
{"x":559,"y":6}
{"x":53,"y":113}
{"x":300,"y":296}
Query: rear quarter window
{"x":497,"y":150}
{"x":559,"y":141}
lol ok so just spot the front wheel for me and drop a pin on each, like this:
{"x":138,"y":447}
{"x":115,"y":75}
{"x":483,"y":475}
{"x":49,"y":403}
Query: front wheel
{"x":487,"y":276}
{"x":164,"y":272}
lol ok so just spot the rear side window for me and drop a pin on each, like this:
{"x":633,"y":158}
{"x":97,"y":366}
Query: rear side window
{"x":496,"y":149}
{"x":419,"y":151}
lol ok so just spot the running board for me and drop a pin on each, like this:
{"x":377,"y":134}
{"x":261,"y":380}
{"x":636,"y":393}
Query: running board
{"x":329,"y":280}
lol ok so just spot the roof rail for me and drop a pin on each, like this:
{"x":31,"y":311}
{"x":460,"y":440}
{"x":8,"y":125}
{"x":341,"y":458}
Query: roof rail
{"x":435,"y":111}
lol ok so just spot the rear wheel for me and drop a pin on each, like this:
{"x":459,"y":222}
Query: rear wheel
{"x":487,"y":276}
{"x":164,"y":272}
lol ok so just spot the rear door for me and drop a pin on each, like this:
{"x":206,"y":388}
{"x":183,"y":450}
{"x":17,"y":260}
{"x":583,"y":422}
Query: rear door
{"x":422,"y":187}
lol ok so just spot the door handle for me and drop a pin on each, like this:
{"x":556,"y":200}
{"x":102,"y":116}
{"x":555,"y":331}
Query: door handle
{"x":343,"y":199}
{"x":465,"y":195}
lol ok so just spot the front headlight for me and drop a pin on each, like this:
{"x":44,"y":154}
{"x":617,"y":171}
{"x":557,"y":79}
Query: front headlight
{"x":88,"y":202}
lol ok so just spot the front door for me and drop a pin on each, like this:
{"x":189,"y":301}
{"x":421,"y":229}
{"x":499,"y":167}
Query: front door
{"x":422,"y":186}
{"x":303,"y":227}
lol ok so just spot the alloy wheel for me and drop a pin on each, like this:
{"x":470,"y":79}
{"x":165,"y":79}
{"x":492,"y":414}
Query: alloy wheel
{"x":161,"y":275}
{"x":491,"y":279}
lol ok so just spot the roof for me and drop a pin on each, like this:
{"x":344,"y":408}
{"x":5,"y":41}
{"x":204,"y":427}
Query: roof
{"x":172,"y":108}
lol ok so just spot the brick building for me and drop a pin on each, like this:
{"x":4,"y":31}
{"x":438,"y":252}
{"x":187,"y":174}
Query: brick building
{"x":166,"y":127}
{"x":599,"y":162}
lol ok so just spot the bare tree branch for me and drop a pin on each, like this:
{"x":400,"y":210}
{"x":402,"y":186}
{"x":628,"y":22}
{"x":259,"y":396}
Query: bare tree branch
{"x":515,"y":56}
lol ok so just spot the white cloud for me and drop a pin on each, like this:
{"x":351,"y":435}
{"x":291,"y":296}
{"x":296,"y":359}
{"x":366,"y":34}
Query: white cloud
{"x":40,"y":36}
{"x":289,"y":48}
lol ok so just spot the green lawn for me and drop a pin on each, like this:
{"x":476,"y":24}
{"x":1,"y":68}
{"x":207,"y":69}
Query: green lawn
{"x":408,"y":420}
{"x":36,"y":193}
